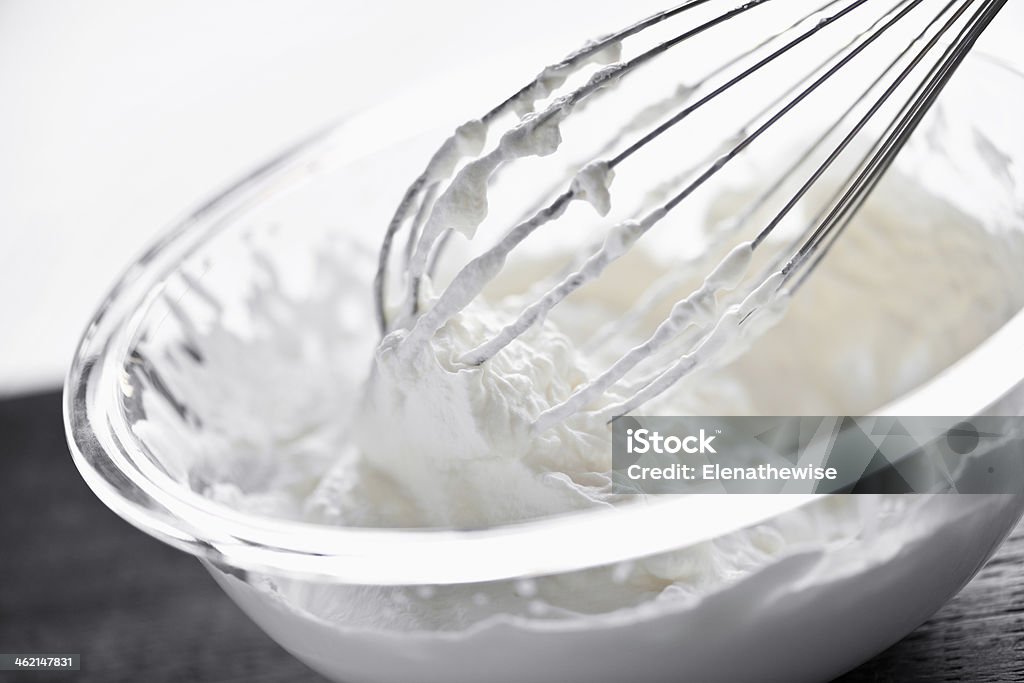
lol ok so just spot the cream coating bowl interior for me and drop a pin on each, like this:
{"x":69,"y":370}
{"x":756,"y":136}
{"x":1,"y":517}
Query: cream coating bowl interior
{"x":181,"y":429}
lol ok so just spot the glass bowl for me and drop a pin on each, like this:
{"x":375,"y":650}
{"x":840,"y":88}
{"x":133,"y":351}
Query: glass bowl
{"x":537,"y":600}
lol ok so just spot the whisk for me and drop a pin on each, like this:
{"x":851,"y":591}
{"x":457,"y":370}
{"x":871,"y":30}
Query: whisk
{"x":874,"y":66}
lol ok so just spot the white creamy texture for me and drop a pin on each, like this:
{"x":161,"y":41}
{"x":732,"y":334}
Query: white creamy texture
{"x":552,"y":77}
{"x":462,"y":206}
{"x":592,"y":184}
{"x":438,"y":437}
{"x":491,"y":408}
{"x":855,"y":338}
{"x":434,"y":442}
{"x":438,"y":443}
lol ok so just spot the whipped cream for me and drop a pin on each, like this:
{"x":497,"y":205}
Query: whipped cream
{"x":356,"y":433}
{"x":488,"y":400}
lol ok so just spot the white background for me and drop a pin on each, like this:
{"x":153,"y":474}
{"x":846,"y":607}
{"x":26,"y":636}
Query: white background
{"x":116,"y":117}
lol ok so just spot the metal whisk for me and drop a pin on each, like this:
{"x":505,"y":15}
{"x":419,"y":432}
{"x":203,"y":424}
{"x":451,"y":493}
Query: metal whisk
{"x":850,"y":79}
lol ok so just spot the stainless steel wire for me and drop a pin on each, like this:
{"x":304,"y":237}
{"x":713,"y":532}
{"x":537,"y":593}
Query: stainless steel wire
{"x":856,"y":143}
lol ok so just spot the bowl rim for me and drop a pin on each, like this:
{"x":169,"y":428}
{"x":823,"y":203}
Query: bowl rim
{"x":112,"y":461}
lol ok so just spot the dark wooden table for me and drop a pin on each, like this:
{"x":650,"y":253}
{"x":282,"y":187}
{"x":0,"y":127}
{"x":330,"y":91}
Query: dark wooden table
{"x":75,"y":578}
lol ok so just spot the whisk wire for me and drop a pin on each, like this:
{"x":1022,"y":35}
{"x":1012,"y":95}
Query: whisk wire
{"x":865,"y":179}
{"x":884,"y":153}
{"x":704,"y":322}
{"x":633,"y":231}
{"x":427,"y":325}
